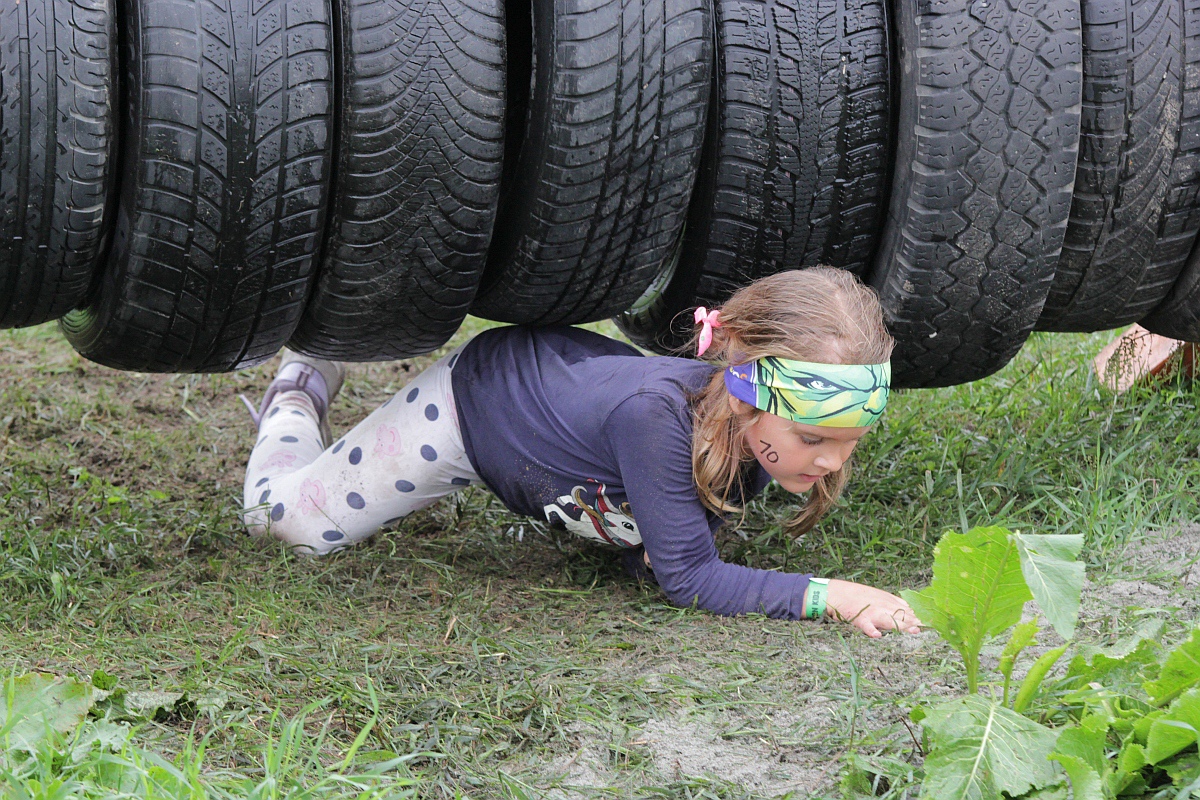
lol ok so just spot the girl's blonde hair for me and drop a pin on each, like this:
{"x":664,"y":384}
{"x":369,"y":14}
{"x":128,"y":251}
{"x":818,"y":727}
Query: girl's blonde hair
{"x":817,"y":314}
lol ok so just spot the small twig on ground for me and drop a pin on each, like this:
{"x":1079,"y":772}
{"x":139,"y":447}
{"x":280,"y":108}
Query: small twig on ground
{"x":907,"y":727}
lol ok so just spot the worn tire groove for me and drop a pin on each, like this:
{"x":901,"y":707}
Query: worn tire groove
{"x":601,"y":185}
{"x":991,"y":96}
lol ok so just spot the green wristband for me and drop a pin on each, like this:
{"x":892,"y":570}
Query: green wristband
{"x":814,"y":605}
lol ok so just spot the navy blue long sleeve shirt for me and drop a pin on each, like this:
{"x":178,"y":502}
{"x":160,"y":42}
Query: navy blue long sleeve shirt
{"x":583,"y":430}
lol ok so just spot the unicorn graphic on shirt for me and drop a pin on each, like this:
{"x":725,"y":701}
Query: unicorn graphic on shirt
{"x":599,"y":520}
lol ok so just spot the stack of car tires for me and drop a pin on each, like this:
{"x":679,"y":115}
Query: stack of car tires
{"x":189,"y":185}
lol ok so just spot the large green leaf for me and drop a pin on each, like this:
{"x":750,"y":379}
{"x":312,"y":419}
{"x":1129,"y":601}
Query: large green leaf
{"x":1126,"y":777}
{"x":1053,"y":575}
{"x":1176,"y":729}
{"x":1085,"y":781}
{"x":1138,"y":725}
{"x":1082,"y":750}
{"x":977,"y":591}
{"x":1086,"y":742}
{"x":33,"y":705}
{"x":1180,"y":672}
{"x":981,"y":749}
{"x":1132,"y":757}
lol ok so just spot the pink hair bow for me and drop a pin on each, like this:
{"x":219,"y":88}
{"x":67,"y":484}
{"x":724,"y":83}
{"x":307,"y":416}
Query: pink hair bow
{"x":710,"y":320}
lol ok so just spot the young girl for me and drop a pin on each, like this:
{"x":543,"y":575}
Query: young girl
{"x":649,"y":454}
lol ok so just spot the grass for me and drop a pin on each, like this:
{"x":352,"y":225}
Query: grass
{"x":483,"y":654}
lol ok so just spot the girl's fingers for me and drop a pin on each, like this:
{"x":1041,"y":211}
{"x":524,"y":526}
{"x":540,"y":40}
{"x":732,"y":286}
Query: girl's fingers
{"x":867,"y":627}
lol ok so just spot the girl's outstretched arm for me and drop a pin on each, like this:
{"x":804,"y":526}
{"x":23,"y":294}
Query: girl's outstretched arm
{"x":650,"y":442}
{"x":654,"y":455}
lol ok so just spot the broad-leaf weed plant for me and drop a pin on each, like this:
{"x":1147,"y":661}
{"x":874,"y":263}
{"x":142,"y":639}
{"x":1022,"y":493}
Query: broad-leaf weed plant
{"x":1121,"y":721}
{"x":65,"y":738}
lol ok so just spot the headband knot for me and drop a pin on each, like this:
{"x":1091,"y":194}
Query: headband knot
{"x":710,"y":320}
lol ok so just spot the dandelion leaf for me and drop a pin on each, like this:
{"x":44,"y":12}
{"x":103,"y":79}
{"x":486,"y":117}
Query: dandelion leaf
{"x":1086,"y":742}
{"x":1082,"y":751}
{"x":1085,"y":781}
{"x":1138,"y":726}
{"x":981,"y":749}
{"x":1175,"y":730}
{"x":1132,"y":757}
{"x":1122,"y":669}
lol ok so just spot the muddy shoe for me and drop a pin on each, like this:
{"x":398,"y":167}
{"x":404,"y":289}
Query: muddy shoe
{"x":321,"y":380}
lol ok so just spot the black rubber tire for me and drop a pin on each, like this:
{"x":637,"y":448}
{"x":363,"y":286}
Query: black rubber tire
{"x":989,"y":136}
{"x":1133,"y":218}
{"x":57,"y":147}
{"x":417,"y":181}
{"x":1178,"y":317}
{"x":227,"y":153}
{"x":608,"y":159}
{"x":796,"y":167}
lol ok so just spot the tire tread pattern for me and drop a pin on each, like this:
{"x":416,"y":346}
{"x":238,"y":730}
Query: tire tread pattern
{"x":606,"y":172}
{"x":802,"y":148}
{"x":417,"y":180}
{"x":985,"y":166}
{"x":1133,"y":217}
{"x":57,"y":139}
{"x":1177,"y":315}
{"x":227,"y":157}
{"x":797,"y":174}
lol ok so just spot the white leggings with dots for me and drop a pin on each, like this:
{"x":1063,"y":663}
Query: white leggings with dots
{"x":403,"y":457}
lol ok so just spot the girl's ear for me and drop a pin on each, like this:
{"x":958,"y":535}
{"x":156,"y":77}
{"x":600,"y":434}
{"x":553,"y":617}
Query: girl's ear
{"x":740,"y":408}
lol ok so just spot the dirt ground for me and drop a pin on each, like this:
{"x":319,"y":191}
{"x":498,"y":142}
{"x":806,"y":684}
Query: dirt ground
{"x":1158,"y":576}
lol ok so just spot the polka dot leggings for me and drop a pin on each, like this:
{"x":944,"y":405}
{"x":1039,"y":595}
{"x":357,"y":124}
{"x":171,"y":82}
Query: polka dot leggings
{"x":403,"y":457}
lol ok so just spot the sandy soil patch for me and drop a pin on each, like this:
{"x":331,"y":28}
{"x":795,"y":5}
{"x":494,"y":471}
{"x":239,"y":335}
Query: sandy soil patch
{"x":689,"y":746}
{"x":1161,"y":570}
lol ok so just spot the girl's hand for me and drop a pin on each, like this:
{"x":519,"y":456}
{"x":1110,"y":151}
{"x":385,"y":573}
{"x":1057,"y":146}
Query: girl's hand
{"x":869,"y":609}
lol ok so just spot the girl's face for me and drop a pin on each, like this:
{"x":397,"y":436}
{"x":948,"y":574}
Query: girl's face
{"x":796,"y":454}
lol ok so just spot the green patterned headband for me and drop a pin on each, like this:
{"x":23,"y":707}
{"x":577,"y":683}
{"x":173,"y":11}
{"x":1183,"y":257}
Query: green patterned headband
{"x":831,"y":395}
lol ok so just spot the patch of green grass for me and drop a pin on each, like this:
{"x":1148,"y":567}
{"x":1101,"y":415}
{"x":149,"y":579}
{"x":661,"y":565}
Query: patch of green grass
{"x":105,"y":760}
{"x":498,"y":649}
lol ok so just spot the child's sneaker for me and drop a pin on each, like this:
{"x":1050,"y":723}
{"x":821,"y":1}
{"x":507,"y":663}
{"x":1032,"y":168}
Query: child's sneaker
{"x":321,"y":380}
